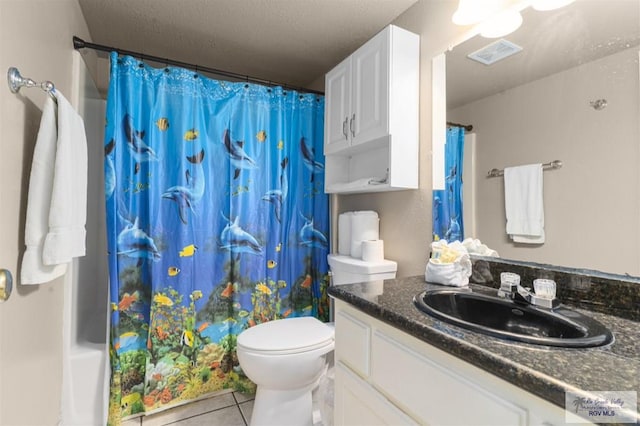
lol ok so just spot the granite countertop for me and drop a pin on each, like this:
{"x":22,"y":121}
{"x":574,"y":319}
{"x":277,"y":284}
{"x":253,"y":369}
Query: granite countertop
{"x":547,"y":372}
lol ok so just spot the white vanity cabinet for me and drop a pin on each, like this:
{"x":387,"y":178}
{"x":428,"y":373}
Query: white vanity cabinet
{"x":387,"y":377}
{"x":371,"y":115}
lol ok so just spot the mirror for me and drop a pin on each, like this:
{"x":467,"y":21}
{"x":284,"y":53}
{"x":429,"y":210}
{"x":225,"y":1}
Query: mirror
{"x":572,"y":94}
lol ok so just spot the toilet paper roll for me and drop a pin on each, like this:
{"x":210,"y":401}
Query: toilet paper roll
{"x":373,"y":250}
{"x":365,"y":225}
{"x":344,"y":233}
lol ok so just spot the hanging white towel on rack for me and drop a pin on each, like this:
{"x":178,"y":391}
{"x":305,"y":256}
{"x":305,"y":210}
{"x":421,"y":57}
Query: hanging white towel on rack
{"x":523,"y":196}
{"x":57,"y":203}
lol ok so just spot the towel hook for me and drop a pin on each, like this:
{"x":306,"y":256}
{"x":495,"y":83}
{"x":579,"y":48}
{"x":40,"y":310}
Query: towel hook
{"x":16,"y":81}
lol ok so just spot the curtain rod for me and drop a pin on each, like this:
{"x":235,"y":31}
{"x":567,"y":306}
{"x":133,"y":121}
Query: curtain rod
{"x":466,"y":127}
{"x":79,"y":43}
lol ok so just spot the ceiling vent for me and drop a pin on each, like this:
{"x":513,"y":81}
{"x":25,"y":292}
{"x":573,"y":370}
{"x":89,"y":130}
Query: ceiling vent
{"x":495,"y":52}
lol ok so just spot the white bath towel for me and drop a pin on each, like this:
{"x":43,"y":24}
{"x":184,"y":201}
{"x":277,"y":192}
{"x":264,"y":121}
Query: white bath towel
{"x":523,"y":196}
{"x":57,"y":203}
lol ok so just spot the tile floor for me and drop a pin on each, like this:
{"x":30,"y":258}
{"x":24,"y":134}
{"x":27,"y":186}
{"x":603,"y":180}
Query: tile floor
{"x":229,"y":409}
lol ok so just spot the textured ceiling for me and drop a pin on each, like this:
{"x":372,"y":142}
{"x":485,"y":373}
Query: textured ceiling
{"x":288,"y":41}
{"x":552,"y":41}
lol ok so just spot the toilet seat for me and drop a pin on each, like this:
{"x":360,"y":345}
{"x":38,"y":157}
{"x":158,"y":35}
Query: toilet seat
{"x":287,"y":336}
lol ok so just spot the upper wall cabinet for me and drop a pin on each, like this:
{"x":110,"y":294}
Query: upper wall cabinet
{"x":371,"y":116}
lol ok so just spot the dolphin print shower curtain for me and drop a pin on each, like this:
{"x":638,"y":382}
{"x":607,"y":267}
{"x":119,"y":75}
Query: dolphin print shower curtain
{"x":447,"y":203}
{"x":217,"y":221}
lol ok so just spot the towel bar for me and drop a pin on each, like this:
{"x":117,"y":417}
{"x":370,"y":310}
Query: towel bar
{"x":16,"y":81}
{"x":556,"y":164}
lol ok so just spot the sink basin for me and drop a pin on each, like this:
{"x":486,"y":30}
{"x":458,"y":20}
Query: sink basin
{"x":510,"y":320}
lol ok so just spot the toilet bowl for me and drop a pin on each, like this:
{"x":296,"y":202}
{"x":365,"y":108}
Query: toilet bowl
{"x":285,"y":359}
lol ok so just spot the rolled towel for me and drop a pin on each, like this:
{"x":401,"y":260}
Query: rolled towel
{"x":365,"y":225}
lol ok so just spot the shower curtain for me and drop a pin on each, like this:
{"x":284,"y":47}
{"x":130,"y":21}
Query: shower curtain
{"x":217,"y":221}
{"x":447,"y":203}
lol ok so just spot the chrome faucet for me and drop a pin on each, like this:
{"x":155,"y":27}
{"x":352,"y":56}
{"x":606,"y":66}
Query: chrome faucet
{"x":517,"y":293}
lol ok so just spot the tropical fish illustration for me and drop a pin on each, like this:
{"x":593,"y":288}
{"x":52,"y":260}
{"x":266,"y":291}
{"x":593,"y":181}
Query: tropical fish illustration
{"x":261,"y":136}
{"x":186,"y":196}
{"x":237,"y":305}
{"x":203,"y":326}
{"x":228,"y":291}
{"x":114,"y":306}
{"x":196,"y":295}
{"x":271,"y":264}
{"x":162,"y":123}
{"x":280,"y":144}
{"x":287,"y":313}
{"x":187,"y":338}
{"x":307,"y":282}
{"x":191,"y":135}
{"x":277,"y":196}
{"x":128,"y":300}
{"x":130,"y":399}
{"x":109,"y":170}
{"x":140,"y":151}
{"x":262,"y":288}
{"x":279,"y":247}
{"x":172,"y":271}
{"x":311,"y":237}
{"x":127,"y":340}
{"x":308,"y":157}
{"x":162,"y":299}
{"x":237,"y":240}
{"x":134,"y":242}
{"x":243,"y":313}
{"x":188,"y":251}
{"x":239,"y":158}
{"x":161,"y":333}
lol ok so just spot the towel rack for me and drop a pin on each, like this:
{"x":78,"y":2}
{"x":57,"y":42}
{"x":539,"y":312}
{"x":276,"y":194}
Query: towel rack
{"x":16,"y":81}
{"x":556,"y":164}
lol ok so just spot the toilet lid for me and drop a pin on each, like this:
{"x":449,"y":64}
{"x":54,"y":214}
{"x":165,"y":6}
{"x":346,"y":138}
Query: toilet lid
{"x":291,"y":334}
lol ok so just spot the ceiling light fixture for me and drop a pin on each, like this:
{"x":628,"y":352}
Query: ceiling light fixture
{"x":471,"y":12}
{"x":549,"y":4}
{"x":501,"y":24}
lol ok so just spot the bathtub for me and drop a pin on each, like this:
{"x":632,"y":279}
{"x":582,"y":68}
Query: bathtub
{"x":85,"y":369}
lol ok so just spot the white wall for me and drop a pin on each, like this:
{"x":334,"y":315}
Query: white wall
{"x":592,"y":204}
{"x":35,"y":37}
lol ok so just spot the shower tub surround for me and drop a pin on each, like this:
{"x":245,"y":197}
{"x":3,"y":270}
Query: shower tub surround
{"x":546,"y":372}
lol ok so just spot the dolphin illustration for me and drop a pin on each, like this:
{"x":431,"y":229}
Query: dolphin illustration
{"x":237,"y":240}
{"x":311,"y":237}
{"x":109,"y":170}
{"x":239,"y":158}
{"x":453,"y":233}
{"x":277,"y":196}
{"x":308,"y":157}
{"x":186,"y":196}
{"x":134,"y":242}
{"x":140,"y":151}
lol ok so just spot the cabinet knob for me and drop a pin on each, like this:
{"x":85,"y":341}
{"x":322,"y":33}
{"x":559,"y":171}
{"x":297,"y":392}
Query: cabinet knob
{"x":352,"y":125}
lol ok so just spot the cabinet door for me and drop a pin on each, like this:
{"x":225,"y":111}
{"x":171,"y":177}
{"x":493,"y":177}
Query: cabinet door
{"x":337,"y":107}
{"x":370,"y":92}
{"x":357,"y":403}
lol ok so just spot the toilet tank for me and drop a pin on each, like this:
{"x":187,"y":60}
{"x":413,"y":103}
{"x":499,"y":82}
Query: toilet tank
{"x":348,"y":270}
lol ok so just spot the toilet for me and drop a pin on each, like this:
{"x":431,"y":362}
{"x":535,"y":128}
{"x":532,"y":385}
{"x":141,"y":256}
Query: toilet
{"x":287,"y":358}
